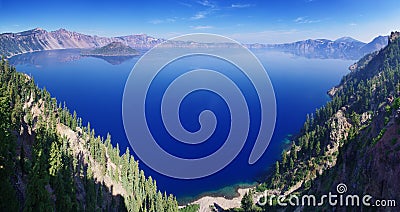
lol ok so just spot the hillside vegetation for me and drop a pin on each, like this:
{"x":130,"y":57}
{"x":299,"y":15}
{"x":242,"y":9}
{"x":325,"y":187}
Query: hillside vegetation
{"x":49,"y":161}
{"x":353,"y":139}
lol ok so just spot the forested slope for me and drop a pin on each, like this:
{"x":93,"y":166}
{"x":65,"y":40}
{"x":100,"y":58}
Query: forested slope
{"x":353,"y":139}
{"x":50,"y":161}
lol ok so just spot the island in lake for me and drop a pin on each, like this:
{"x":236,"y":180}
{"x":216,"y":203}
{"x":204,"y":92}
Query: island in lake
{"x":114,"y":49}
{"x":114,"y":53}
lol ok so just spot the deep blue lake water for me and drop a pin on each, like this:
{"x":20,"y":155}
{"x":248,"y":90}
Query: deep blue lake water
{"x":94,"y":88}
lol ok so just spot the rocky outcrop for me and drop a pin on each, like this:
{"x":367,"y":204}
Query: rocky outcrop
{"x":332,"y":91}
{"x":339,"y":127}
{"x":365,"y":117}
{"x":38,"y":40}
{"x":393,"y":36}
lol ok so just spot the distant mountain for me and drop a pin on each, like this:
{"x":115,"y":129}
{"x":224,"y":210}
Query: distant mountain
{"x":322,"y":48}
{"x":113,"y":49}
{"x":347,"y":40}
{"x":344,"y":48}
{"x":376,"y":44}
{"x":39,"y":40}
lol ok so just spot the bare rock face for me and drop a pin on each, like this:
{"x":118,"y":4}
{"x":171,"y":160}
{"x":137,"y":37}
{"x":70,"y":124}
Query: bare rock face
{"x":393,"y":36}
{"x":339,"y":127}
{"x":332,"y":91}
{"x":365,"y":117}
{"x":39,"y":40}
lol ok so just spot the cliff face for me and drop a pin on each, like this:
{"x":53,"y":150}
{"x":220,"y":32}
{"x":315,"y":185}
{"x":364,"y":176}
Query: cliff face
{"x":39,"y":39}
{"x":353,"y":139}
{"x":368,"y":161}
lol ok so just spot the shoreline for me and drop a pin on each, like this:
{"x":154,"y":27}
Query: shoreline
{"x":108,"y":55}
{"x":220,"y":201}
{"x":225,"y":202}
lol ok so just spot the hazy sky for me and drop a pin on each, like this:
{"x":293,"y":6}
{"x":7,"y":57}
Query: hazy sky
{"x":252,"y":21}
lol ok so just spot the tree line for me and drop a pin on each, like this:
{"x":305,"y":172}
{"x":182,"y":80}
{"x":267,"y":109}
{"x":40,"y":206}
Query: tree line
{"x":40,"y":169}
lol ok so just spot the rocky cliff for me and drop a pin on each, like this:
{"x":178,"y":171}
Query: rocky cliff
{"x":344,"y":48}
{"x":39,"y":40}
{"x":352,"y":140}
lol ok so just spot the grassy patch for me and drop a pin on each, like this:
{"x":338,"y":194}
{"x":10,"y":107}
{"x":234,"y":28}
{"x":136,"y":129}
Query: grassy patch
{"x":377,"y":138}
{"x":386,"y":120}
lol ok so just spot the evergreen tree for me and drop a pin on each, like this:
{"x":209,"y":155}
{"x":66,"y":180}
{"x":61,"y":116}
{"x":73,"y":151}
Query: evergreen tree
{"x":54,"y":167}
{"x":318,"y":148}
{"x":8,"y":202}
{"x":247,"y":202}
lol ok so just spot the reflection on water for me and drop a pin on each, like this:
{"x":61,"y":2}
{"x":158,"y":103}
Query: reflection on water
{"x":60,"y":56}
{"x":113,"y":60}
{"x":44,"y":57}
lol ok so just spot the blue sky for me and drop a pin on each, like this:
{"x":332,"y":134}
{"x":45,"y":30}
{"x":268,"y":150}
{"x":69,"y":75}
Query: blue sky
{"x":251,"y":21}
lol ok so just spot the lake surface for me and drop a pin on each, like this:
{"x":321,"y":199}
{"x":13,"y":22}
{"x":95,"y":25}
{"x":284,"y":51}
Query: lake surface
{"x":94,"y":88}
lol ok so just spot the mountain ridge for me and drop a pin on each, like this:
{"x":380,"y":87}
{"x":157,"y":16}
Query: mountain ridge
{"x":341,"y":48}
{"x":347,"y":39}
{"x":39,"y":39}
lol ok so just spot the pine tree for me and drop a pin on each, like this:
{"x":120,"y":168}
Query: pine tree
{"x":284,"y":158}
{"x":55,"y":160}
{"x":38,"y":198}
{"x":291,"y":163}
{"x":8,"y":202}
{"x":247,"y":202}
{"x":277,"y":168}
{"x":318,"y":148}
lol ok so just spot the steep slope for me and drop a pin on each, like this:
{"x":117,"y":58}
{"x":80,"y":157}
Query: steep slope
{"x":368,"y":160}
{"x":50,"y":161}
{"x":353,"y":139}
{"x":376,"y":44}
{"x":39,"y":40}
